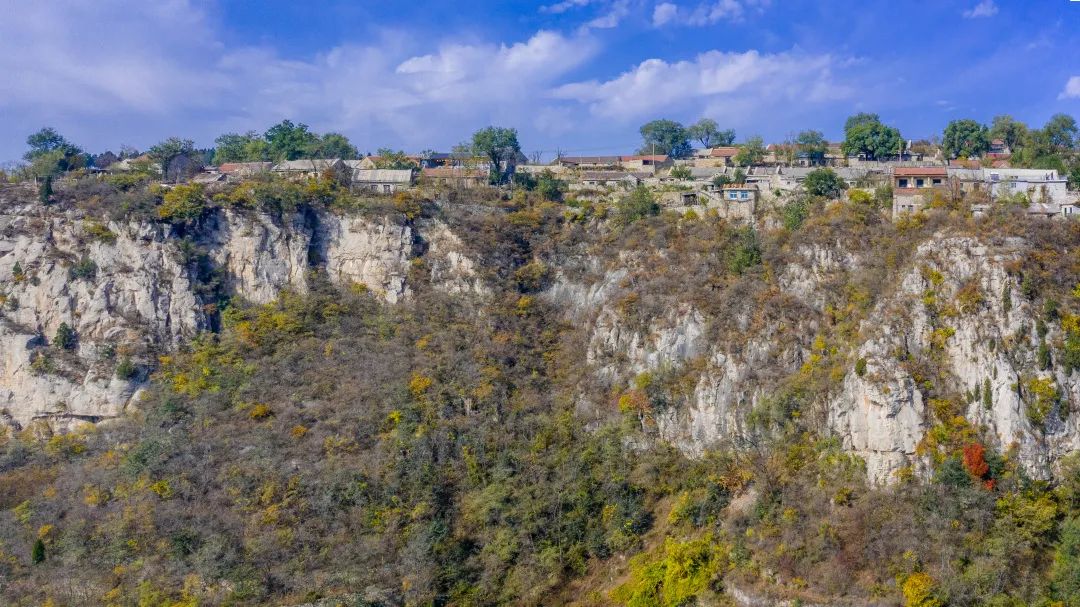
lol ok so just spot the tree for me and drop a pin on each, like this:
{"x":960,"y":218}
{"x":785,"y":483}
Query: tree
{"x":50,"y":153}
{"x":824,"y":183}
{"x":1065,"y":571}
{"x":813,"y":145}
{"x":750,"y":153}
{"x":499,"y":145}
{"x":49,"y":140}
{"x":232,"y":147}
{"x":37,"y":553}
{"x":865,"y":134}
{"x":965,"y":138}
{"x":709,"y":134}
{"x":65,"y":338}
{"x":334,"y":145}
{"x":288,"y":141}
{"x":860,"y":119}
{"x":102,"y":161}
{"x":1010,"y":131}
{"x":169,"y":151}
{"x":1061,"y":131}
{"x":665,"y":137}
{"x":390,"y":159}
{"x":45,"y":190}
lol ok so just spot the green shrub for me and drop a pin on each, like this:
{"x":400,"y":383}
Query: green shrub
{"x":183,"y":203}
{"x":680,"y":172}
{"x":37,"y":554}
{"x":100,"y":232}
{"x":126,"y":369}
{"x":824,"y":183}
{"x":795,"y":212}
{"x":680,"y":575}
{"x":860,"y":367}
{"x":65,"y":338}
{"x":636,"y":205}
{"x":85,"y":269}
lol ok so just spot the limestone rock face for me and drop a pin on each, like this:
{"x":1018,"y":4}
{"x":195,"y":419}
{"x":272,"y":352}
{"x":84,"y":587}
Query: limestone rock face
{"x":260,"y":255}
{"x":132,"y":291}
{"x":945,"y":305}
{"x":123,"y":296}
{"x":375,"y":253}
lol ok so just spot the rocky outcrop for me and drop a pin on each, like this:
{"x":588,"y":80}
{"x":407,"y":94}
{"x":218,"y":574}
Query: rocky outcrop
{"x":944,"y":308}
{"x":133,"y":290}
{"x":123,"y":290}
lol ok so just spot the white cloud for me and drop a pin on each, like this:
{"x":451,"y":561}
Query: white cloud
{"x":618,"y":11}
{"x":706,"y":13}
{"x":1072,"y":89}
{"x":985,"y":8}
{"x":664,"y":13}
{"x":711,"y":78}
{"x":165,"y":70}
{"x":565,"y":5}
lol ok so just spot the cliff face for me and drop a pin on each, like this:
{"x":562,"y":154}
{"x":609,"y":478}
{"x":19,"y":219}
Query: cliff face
{"x":953,"y":307}
{"x":133,"y":291}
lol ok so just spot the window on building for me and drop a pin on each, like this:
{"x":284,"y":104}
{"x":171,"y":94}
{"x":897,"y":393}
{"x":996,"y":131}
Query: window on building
{"x":386,"y":189}
{"x":937,"y":182}
{"x":920,"y":183}
{"x":745,"y":195}
{"x":902,"y":183}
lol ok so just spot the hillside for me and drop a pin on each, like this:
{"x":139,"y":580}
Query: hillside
{"x":275,"y":394}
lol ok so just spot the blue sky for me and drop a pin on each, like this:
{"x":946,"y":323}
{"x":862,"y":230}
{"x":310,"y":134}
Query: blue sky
{"x":572,"y":75}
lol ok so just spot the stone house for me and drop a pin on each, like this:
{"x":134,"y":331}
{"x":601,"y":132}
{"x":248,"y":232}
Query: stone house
{"x":647,"y":162}
{"x":716,"y":157}
{"x":1039,"y":185}
{"x":239,"y":170}
{"x":912,"y":184}
{"x":302,"y":169}
{"x":607,"y":179}
{"x":455,"y":177}
{"x":382,"y":181}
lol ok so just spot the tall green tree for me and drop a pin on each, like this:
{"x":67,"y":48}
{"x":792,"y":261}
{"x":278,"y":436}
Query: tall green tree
{"x":813,"y":145}
{"x":334,"y":145}
{"x":751,"y":152}
{"x":175,"y":156}
{"x":1061,"y":132}
{"x":865,"y":134}
{"x":500,"y":146}
{"x":233,"y":147}
{"x":665,"y":137}
{"x":1065,"y":571}
{"x":965,"y":138}
{"x":50,"y":153}
{"x":288,"y":141}
{"x":709,"y":134}
{"x":1009,"y":130}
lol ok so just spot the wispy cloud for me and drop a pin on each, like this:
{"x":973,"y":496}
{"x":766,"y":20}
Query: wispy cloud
{"x":565,"y":5}
{"x":169,"y":67}
{"x":714,"y":77}
{"x":618,"y":11}
{"x":706,"y":13}
{"x":985,"y":8}
{"x":1072,"y":89}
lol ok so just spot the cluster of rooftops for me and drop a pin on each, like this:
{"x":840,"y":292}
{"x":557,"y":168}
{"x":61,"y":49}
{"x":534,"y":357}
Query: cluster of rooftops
{"x":911,"y":177}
